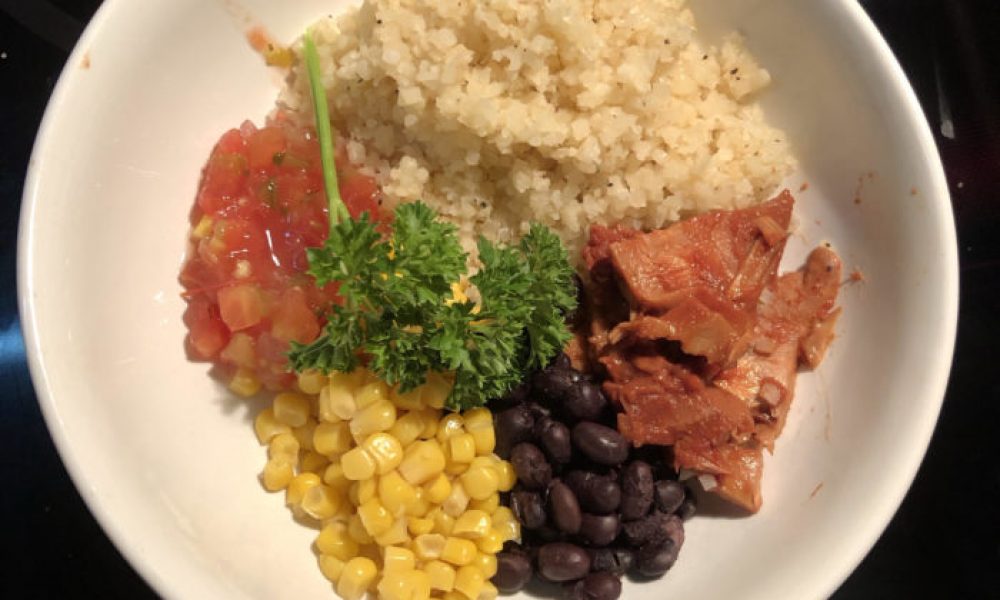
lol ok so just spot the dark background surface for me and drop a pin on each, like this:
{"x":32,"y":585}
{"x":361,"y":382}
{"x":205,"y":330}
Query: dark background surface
{"x":943,"y":542}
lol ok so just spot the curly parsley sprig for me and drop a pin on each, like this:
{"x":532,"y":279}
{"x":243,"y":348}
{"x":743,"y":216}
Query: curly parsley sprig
{"x":398,"y":313}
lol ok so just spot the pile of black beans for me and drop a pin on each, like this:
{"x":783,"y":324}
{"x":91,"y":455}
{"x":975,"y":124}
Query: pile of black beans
{"x":592,"y":508}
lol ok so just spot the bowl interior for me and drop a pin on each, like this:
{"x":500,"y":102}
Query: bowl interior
{"x":167,"y":460}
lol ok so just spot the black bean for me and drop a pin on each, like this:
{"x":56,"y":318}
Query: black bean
{"x":668,"y":495}
{"x":616,"y":560}
{"x":513,"y":571}
{"x":600,"y":444}
{"x":533,"y":471}
{"x":596,"y":494}
{"x":553,"y":383}
{"x":599,"y":530}
{"x":555,"y":440}
{"x":538,"y":411}
{"x":512,"y":427}
{"x":655,"y":559}
{"x":564,"y":510}
{"x":596,"y":586}
{"x":528,"y":508}
{"x":584,"y":402}
{"x":637,"y":490}
{"x":642,"y":531}
{"x":561,"y":561}
{"x":561,"y":361}
{"x":673,"y":527}
{"x":689,"y":506}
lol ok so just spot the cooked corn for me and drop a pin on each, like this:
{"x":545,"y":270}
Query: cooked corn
{"x":298,"y":487}
{"x":458,"y":551}
{"x":385,"y":449}
{"x":395,"y":493}
{"x":429,"y":546}
{"x":488,"y":592}
{"x":335,"y":540}
{"x":441,"y":575}
{"x":338,"y":402}
{"x":408,"y":427}
{"x":487,"y":505}
{"x":480,"y":481}
{"x":487,"y":563}
{"x":457,"y":501}
{"x":304,"y":434}
{"x":277,"y":474}
{"x":462,"y":447}
{"x":358,"y":575}
{"x":321,"y":502}
{"x":283,"y":446}
{"x":410,"y":400}
{"x":332,"y":439}
{"x":506,"y":477}
{"x":380,"y":415}
{"x":267,"y":427}
{"x":436,"y":390}
{"x":395,"y":535}
{"x":358,"y":464}
{"x":411,"y":585}
{"x":506,"y":524}
{"x":451,"y":425}
{"x":438,"y":489}
{"x":331,"y":567}
{"x":244,"y":383}
{"x":491,"y":543}
{"x":333,"y":476}
{"x":469,"y":581}
{"x":397,"y":559}
{"x":419,"y":525}
{"x":356,"y":529}
{"x":472,"y":524}
{"x":311,"y":382}
{"x":313,"y":462}
{"x":376,"y":519}
{"x":422,"y":461}
{"x":291,"y":409}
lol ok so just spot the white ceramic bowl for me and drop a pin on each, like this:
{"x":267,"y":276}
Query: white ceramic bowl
{"x":168,"y":462}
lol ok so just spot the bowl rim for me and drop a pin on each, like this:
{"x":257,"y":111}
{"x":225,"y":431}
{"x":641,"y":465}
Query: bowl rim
{"x":838,"y":567}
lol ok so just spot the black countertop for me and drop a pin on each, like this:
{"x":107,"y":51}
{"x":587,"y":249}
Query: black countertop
{"x":943,"y":542}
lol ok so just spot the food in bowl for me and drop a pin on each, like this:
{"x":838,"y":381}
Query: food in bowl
{"x":424,"y":264}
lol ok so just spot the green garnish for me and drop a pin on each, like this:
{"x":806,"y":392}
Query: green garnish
{"x":338,"y":211}
{"x":398,"y":311}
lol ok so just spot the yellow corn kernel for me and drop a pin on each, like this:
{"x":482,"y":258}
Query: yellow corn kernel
{"x":406,"y":400}
{"x":441,"y":575}
{"x":244,"y":383}
{"x":337,"y":403}
{"x":480,"y":481}
{"x":479,"y":423}
{"x":304,"y":434}
{"x":277,"y":474}
{"x":487,"y":505}
{"x":491,"y":543}
{"x":378,"y":416}
{"x":332,"y":438}
{"x":333,"y":476}
{"x":419,"y":525}
{"x":356,"y":529}
{"x":420,"y":505}
{"x":372,"y":552}
{"x":443,"y":522}
{"x":506,"y":477}
{"x":438,"y":489}
{"x":436,"y":390}
{"x":291,"y":409}
{"x":429,"y":546}
{"x":334,"y":539}
{"x":462,"y":447}
{"x":410,"y":585}
{"x":488,"y":591}
{"x":453,"y":595}
{"x":298,"y":487}
{"x":397,"y":559}
{"x":506,"y":524}
{"x":469,"y":581}
{"x":458,"y":551}
{"x":321,"y":502}
{"x":345,"y":512}
{"x":407,"y":427}
{"x":395,"y":493}
{"x":283,"y":446}
{"x":430,"y":417}
{"x":457,"y":501}
{"x":422,"y":461}
{"x":450,"y":425}
{"x":313,"y":462}
{"x":267,"y":427}
{"x":311,"y":382}
{"x":354,"y":493}
{"x":370,"y":394}
{"x":331,"y":567}
{"x":397,"y":534}
{"x":454,"y":469}
{"x":376,"y":519}
{"x":367,"y":489}
{"x":358,"y":575}
{"x":486,"y":563}
{"x":385,"y":449}
{"x":472,"y":524}
{"x":358,"y":464}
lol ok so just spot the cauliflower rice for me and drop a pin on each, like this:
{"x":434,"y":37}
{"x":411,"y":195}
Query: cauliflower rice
{"x":568,"y":112}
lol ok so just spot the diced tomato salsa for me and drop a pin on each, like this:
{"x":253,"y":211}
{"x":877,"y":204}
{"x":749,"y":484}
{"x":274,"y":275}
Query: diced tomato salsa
{"x":260,"y":204}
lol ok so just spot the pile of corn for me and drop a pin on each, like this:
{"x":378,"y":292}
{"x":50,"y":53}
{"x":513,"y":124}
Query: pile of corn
{"x":406,"y":495}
